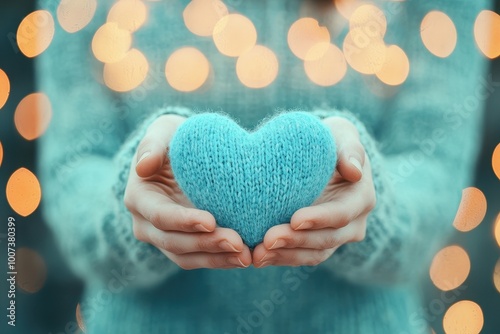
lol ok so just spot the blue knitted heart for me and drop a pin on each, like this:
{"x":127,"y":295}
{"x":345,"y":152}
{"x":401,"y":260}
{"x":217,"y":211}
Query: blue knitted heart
{"x":252,"y":181}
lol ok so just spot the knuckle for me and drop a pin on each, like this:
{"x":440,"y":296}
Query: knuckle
{"x":155,"y":218}
{"x":214,"y":262}
{"x":128,"y":199}
{"x":204,"y":244}
{"x":186,"y":265}
{"x":314,"y":260}
{"x":329,"y":242}
{"x":138,"y":233}
{"x":171,"y":247}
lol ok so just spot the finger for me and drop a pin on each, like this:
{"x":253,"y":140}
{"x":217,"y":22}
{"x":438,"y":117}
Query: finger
{"x":293,"y":257}
{"x":152,"y":151}
{"x":166,"y":215}
{"x":350,"y":151}
{"x":221,"y":240}
{"x":334,"y":214}
{"x":212,"y":261}
{"x":283,"y":236}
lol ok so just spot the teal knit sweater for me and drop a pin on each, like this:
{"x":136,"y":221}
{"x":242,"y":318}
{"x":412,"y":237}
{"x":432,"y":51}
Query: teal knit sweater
{"x":421,"y":142}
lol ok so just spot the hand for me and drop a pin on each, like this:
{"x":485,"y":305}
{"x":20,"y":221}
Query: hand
{"x":164,"y":217}
{"x":337,"y":217}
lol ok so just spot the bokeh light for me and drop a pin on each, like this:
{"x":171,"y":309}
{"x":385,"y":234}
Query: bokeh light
{"x":31,"y":270}
{"x":200,"y":16}
{"x":347,"y":7}
{"x":438,"y":34}
{"x":32,"y":116}
{"x":497,"y":229}
{"x":23,"y":192}
{"x":463,"y":317}
{"x":128,"y":73}
{"x":128,"y":14}
{"x":111,"y":43}
{"x":79,"y":318}
{"x":495,"y":161}
{"x":1,"y":154}
{"x":450,"y":268}
{"x":396,"y":66}
{"x":487,"y":33}
{"x":35,"y":33}
{"x":496,"y":276}
{"x":234,"y":34}
{"x":258,"y":67}
{"x":4,"y":88}
{"x":329,"y":68}
{"x":74,"y":15}
{"x":471,"y":211}
{"x":370,"y":19}
{"x":363,"y":53}
{"x":187,"y":69}
{"x":306,"y":33}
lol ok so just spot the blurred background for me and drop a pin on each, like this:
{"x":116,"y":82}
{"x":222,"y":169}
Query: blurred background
{"x":463,"y":285}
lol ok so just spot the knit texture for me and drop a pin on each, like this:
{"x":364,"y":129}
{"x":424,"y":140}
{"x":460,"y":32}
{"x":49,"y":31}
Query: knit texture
{"x":253,"y":181}
{"x":365,"y":287}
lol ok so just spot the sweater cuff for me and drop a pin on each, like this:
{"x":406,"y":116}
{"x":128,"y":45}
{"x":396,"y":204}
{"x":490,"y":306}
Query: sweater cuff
{"x":361,"y":261}
{"x":144,"y":262}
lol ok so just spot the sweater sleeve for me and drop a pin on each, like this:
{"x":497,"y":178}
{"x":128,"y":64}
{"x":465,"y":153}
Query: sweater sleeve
{"x":422,"y":155}
{"x":84,"y":160}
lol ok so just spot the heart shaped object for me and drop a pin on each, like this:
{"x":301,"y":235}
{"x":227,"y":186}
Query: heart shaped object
{"x":252,"y":181}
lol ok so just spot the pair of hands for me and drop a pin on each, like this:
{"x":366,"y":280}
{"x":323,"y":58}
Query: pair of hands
{"x":165,"y":218}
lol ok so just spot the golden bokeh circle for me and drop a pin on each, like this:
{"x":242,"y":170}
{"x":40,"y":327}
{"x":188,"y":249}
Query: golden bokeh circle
{"x":329,"y":68}
{"x":306,"y":33}
{"x":450,"y":268}
{"x":234,"y":34}
{"x":347,"y":7}
{"x":496,"y":228}
{"x":129,"y":15}
{"x":495,"y":161}
{"x":496,"y":276}
{"x":187,"y":69}
{"x":31,"y":270}
{"x":32,"y":116}
{"x":200,"y":16}
{"x":4,"y":88}
{"x":257,"y":68}
{"x":35,"y":33}
{"x":396,"y":67}
{"x":363,"y":53}
{"x":370,"y":19}
{"x":487,"y":33}
{"x":471,"y":211}
{"x":463,"y":317}
{"x":438,"y":34}
{"x":128,"y":73}
{"x":74,"y":15}
{"x":23,"y":192}
{"x":111,"y":43}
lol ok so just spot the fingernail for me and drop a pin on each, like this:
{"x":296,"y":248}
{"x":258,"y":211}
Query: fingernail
{"x":355,"y":162}
{"x":264,"y":264}
{"x":279,"y":243}
{"x":201,"y":228}
{"x":143,"y":156}
{"x":227,"y":246}
{"x":236,"y":261}
{"x":304,"y":225}
{"x":268,"y":256}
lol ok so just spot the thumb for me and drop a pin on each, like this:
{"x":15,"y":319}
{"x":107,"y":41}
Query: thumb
{"x":350,"y":151}
{"x":152,"y":151}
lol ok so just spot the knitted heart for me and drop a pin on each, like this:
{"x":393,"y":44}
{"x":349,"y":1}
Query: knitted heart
{"x":251,"y":182}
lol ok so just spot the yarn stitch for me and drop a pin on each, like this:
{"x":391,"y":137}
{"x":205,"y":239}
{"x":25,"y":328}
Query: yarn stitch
{"x":252,"y":181}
